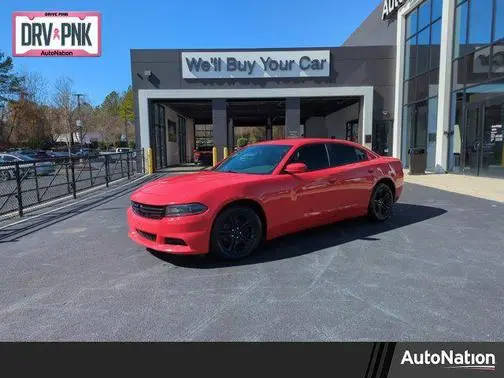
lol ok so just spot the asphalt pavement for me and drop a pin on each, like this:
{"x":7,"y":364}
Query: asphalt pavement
{"x":432,"y":273}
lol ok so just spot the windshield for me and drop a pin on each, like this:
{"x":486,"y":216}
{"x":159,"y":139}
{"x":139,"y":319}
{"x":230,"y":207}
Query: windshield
{"x":259,"y":159}
{"x":25,"y":157}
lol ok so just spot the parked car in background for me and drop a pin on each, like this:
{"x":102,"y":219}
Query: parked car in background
{"x":202,"y":155}
{"x":123,"y":150}
{"x":34,"y":154}
{"x":261,"y":192}
{"x":85,"y":153}
{"x":58,"y":154}
{"x":27,"y":165}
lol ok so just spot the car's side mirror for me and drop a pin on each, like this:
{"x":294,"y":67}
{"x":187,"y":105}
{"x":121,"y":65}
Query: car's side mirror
{"x":295,"y":168}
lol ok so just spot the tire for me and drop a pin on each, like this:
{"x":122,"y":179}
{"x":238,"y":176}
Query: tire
{"x":381,"y":203}
{"x":4,"y":175}
{"x":236,"y":233}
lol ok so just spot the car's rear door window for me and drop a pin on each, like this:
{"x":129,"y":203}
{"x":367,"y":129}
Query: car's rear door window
{"x":342,"y":154}
{"x":313,"y":155}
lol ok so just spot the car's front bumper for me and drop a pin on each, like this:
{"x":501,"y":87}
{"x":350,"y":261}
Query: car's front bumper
{"x":193,"y":230}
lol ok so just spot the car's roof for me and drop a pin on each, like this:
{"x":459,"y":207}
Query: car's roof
{"x":301,"y":141}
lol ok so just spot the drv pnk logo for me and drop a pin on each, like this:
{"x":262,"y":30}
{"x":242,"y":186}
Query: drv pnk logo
{"x":56,"y":34}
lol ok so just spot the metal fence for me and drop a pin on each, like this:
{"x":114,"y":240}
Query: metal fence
{"x":28,"y":183}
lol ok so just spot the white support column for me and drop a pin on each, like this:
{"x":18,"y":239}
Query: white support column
{"x":143,"y":119}
{"x":399,"y":75}
{"x":445,"y":73}
{"x":367,"y":117}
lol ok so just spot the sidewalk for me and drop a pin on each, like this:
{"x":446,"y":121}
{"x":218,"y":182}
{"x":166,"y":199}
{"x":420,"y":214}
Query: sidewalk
{"x":481,"y":187}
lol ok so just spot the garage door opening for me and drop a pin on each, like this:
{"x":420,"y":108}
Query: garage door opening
{"x":332,"y":117}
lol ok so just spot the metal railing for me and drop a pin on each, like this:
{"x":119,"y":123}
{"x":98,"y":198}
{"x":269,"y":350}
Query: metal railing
{"x":28,"y":183}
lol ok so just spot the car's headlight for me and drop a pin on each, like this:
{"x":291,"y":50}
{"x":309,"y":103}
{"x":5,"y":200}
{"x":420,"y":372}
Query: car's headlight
{"x":186,"y":209}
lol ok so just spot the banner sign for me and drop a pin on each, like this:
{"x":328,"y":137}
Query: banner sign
{"x":255,"y":64}
{"x":56,"y":34}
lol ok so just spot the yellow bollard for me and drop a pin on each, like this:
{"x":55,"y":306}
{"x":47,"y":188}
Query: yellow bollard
{"x":226,"y":152}
{"x":150,"y":162}
{"x":214,"y":156}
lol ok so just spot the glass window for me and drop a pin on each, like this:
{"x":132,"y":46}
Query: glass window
{"x":458,"y":74}
{"x":172,"y":131}
{"x":434,"y":81}
{"x":411,"y":23}
{"x":424,"y":15}
{"x":437,"y":9}
{"x":313,"y":155}
{"x":410,"y":90}
{"x":435,"y":44}
{"x":258,"y":159}
{"x":480,"y":25}
{"x":423,"y":51}
{"x":499,"y":19}
{"x":497,"y":62}
{"x":460,"y":37}
{"x":432,"y":133}
{"x":406,"y":127}
{"x":341,"y":154}
{"x":422,"y":87}
{"x":411,"y":50}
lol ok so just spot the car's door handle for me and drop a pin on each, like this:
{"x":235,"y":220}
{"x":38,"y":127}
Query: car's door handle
{"x":333,"y":180}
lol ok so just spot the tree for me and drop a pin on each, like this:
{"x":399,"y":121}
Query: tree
{"x":126,"y":110}
{"x":10,"y":83}
{"x":65,"y":108}
{"x":108,"y":120}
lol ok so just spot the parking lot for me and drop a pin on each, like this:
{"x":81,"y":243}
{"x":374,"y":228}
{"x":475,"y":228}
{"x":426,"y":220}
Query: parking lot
{"x":38,"y":188}
{"x":433,"y":272}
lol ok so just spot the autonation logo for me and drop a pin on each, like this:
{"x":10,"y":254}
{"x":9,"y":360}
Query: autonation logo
{"x":450,"y":359}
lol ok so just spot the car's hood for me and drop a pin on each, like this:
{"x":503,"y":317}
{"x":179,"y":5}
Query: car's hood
{"x":187,"y":188}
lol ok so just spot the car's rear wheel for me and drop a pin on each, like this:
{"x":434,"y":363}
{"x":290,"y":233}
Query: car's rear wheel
{"x":236,"y":233}
{"x":4,"y":175}
{"x":381,"y":203}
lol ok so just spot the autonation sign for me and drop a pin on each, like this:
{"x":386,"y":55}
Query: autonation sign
{"x":390,"y":7}
{"x":54,"y":34}
{"x":255,"y":64}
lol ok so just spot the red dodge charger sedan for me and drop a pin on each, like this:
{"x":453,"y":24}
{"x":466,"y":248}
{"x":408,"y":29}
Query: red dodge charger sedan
{"x":261,"y":192}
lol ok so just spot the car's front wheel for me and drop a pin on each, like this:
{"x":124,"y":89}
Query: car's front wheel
{"x":381,"y":203}
{"x":5,"y":175}
{"x":236,"y":233}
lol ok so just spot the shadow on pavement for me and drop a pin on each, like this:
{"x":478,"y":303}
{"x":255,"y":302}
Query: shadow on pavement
{"x":315,"y":239}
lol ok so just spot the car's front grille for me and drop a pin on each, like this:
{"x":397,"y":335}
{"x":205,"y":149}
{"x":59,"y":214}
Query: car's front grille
{"x":148,"y":211}
{"x":147,"y":235}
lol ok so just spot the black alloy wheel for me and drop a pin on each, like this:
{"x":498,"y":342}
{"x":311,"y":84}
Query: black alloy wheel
{"x":381,"y":203}
{"x":236,"y":233}
{"x":4,"y":175}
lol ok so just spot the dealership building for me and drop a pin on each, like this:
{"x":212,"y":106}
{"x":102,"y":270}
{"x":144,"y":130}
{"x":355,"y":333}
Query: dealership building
{"x":415,"y":74}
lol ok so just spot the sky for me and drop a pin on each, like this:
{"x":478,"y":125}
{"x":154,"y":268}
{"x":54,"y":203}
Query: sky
{"x":129,"y":24}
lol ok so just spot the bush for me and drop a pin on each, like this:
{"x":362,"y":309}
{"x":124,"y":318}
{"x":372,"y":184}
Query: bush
{"x":132,"y":144}
{"x":103,"y":146}
{"x":242,"y":142}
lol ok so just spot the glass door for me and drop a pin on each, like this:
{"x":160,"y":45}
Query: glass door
{"x":492,"y":146}
{"x":483,"y":142}
{"x":472,"y":140}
